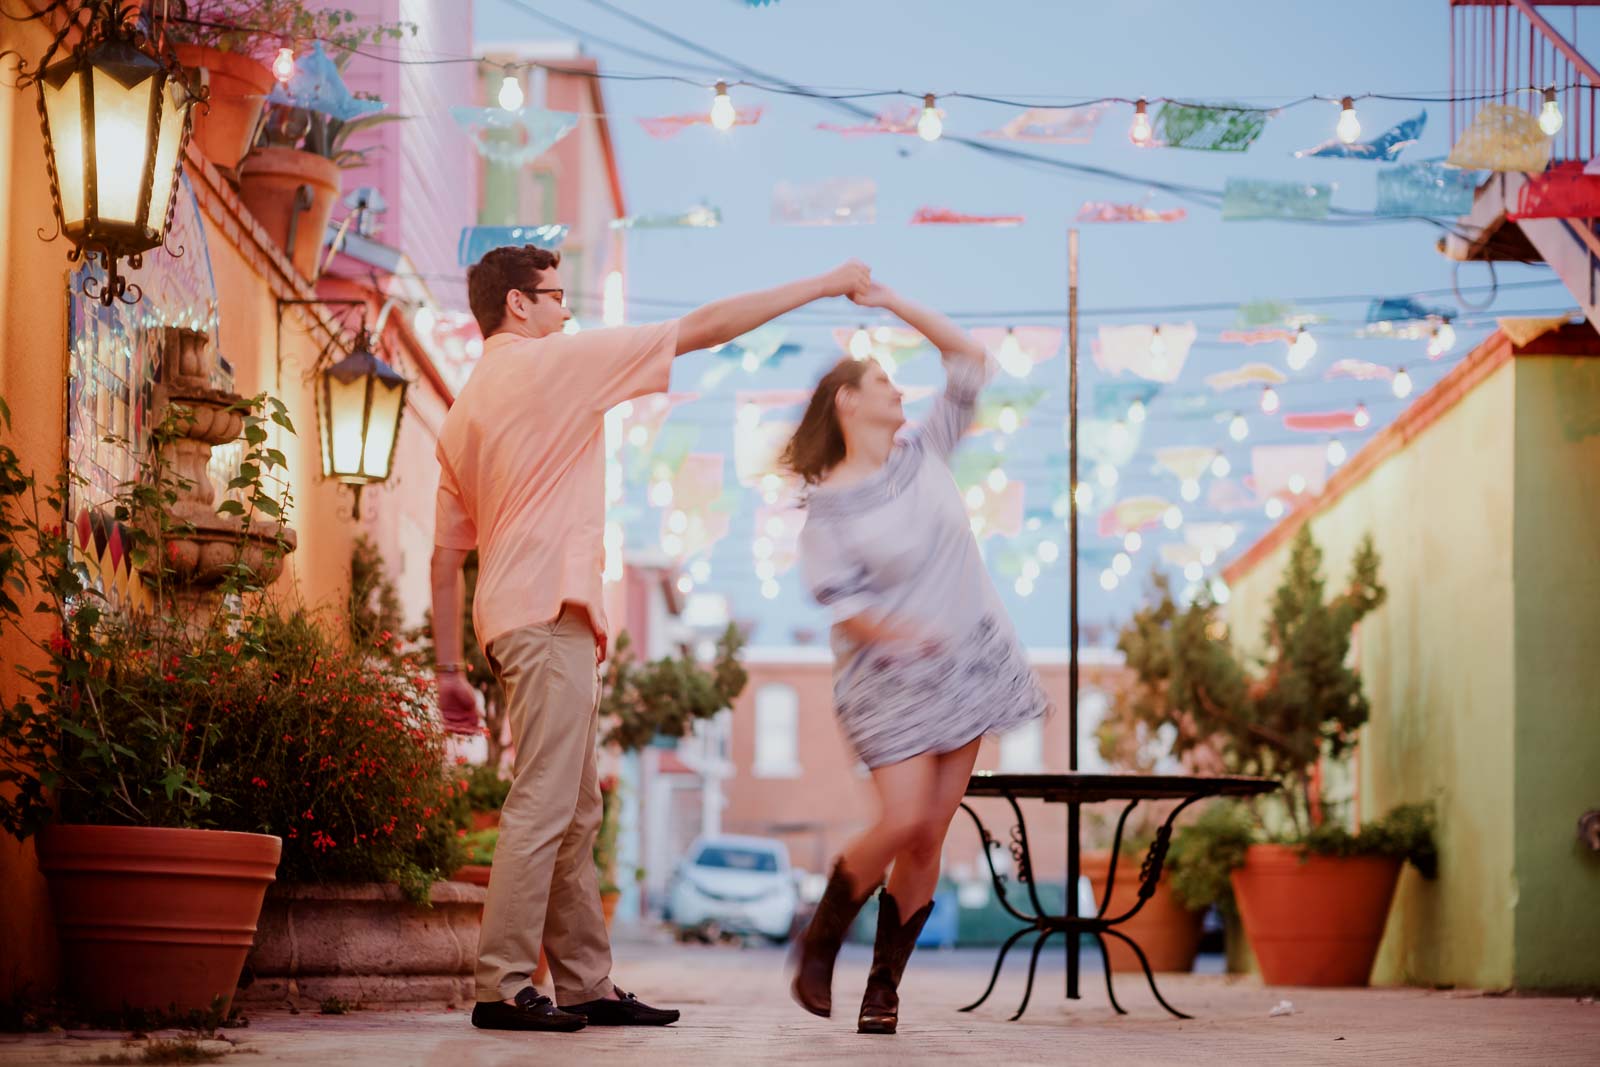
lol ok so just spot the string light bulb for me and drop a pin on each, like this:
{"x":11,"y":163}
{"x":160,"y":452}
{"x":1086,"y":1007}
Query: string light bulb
{"x":1009,"y":421}
{"x":930,"y":127}
{"x":1136,"y":412}
{"x":511,"y":97}
{"x":1362,"y":418}
{"x":1550,"y":114}
{"x":1189,"y":490}
{"x":1139,"y":133}
{"x":722,"y":112}
{"x":1013,"y":360}
{"x":1402,"y":384}
{"x":1336,"y":452}
{"x":1274,"y":508}
{"x":1441,"y":339}
{"x":283,"y":65}
{"x":861,"y":343}
{"x":1133,"y":542}
{"x":1302,"y":348}
{"x":1269,"y":400}
{"x":1238,"y":427}
{"x":1348,"y":127}
{"x":1220,"y":467}
{"x":1172,"y":518}
{"x":1121,"y":563}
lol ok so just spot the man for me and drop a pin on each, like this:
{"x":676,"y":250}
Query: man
{"x":522,"y":479}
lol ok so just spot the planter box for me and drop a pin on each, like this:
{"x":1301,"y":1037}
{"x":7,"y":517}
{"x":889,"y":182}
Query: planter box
{"x":1168,"y":932}
{"x":364,"y":944}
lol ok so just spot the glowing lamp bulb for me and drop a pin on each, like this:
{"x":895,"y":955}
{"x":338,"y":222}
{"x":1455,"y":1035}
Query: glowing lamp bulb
{"x":1012,"y":358}
{"x":1238,"y":428}
{"x":722,"y":112}
{"x":511,"y":98}
{"x":1009,"y":421}
{"x":1402,"y":384}
{"x":861,"y":343}
{"x":1361,"y":419}
{"x":1269,"y":400}
{"x":1336,"y":452}
{"x":1172,"y":518}
{"x":1550,"y":114}
{"x":1220,"y":467}
{"x":930,"y":127}
{"x":1139,"y":133}
{"x":1302,"y":348}
{"x":283,"y":66}
{"x":1349,"y":127}
{"x":1136,"y":412}
{"x":1133,"y":542}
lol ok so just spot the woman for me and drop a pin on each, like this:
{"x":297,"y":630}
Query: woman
{"x":925,"y":661}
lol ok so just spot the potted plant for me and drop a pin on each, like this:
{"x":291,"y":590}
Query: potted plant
{"x":605,"y":847}
{"x":292,"y":178}
{"x":1304,"y":703}
{"x":230,"y":42}
{"x":665,"y":697}
{"x":111,"y":754}
{"x":1166,"y":927}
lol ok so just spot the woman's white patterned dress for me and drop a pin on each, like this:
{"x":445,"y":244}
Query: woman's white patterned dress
{"x":899,"y":544}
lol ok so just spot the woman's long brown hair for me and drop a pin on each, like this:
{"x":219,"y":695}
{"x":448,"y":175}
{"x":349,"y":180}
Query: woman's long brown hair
{"x":818,"y":442}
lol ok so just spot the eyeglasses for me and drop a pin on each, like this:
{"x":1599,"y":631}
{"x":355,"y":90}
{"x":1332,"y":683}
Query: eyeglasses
{"x":559,"y":294}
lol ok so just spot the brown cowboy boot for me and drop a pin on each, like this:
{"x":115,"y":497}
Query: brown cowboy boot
{"x":880,"y":1007}
{"x":818,"y":947}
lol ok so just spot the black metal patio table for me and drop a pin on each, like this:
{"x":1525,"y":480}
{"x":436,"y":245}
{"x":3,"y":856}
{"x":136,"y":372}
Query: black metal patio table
{"x":1075,"y":789}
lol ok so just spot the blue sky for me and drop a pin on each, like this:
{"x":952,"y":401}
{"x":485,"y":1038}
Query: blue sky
{"x":1256,"y":52}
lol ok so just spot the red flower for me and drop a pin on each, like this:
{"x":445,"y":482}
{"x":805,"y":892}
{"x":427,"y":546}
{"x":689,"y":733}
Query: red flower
{"x":259,"y":783}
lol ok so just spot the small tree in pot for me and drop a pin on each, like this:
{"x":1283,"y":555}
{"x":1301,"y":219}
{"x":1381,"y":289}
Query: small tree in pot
{"x":1279,"y":717}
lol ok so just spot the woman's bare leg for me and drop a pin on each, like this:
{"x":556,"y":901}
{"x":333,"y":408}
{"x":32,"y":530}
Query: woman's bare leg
{"x":916,"y":866}
{"x":904,"y":790}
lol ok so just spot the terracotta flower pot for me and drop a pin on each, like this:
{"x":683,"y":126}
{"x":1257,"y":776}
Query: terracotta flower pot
{"x":472,"y":874}
{"x":1168,"y":932}
{"x":226,"y":126}
{"x":1317,"y":921}
{"x":155,"y":918}
{"x":268,"y":181}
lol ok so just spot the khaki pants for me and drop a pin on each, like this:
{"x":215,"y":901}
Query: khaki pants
{"x":543,"y":885}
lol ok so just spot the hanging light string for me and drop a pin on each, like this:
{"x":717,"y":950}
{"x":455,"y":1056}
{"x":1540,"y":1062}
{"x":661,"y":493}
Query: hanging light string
{"x":825,"y":93}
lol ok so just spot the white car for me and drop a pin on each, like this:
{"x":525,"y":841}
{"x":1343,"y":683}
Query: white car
{"x":737,"y":884}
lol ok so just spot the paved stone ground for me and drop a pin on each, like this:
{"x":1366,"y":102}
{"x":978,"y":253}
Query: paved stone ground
{"x":737,"y":1011}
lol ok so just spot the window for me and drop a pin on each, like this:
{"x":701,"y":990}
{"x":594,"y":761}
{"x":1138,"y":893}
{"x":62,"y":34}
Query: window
{"x":1022,"y":749}
{"x":724,"y":857}
{"x":777,"y":732}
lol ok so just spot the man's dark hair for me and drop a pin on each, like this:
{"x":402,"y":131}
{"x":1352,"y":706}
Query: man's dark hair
{"x":497,"y":273}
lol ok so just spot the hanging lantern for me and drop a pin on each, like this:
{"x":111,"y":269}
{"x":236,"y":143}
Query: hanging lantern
{"x":360,"y":399}
{"x":115,"y":118}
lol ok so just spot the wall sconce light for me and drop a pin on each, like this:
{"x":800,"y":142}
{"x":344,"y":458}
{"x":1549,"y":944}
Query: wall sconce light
{"x":115,"y":115}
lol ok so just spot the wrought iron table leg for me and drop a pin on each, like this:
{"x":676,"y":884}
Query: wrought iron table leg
{"x":1148,"y":976}
{"x":1033,"y":965}
{"x":1105,"y":956}
{"x":998,"y":963}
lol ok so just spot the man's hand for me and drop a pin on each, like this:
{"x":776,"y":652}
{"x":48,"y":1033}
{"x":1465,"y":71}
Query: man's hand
{"x":458,"y":704}
{"x":873,"y":295}
{"x":847,"y":278}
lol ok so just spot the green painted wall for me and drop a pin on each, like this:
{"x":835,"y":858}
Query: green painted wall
{"x":1557,"y":578}
{"x":1439,"y":669}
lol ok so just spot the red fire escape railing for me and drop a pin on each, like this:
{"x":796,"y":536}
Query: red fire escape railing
{"x":1508,"y":52}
